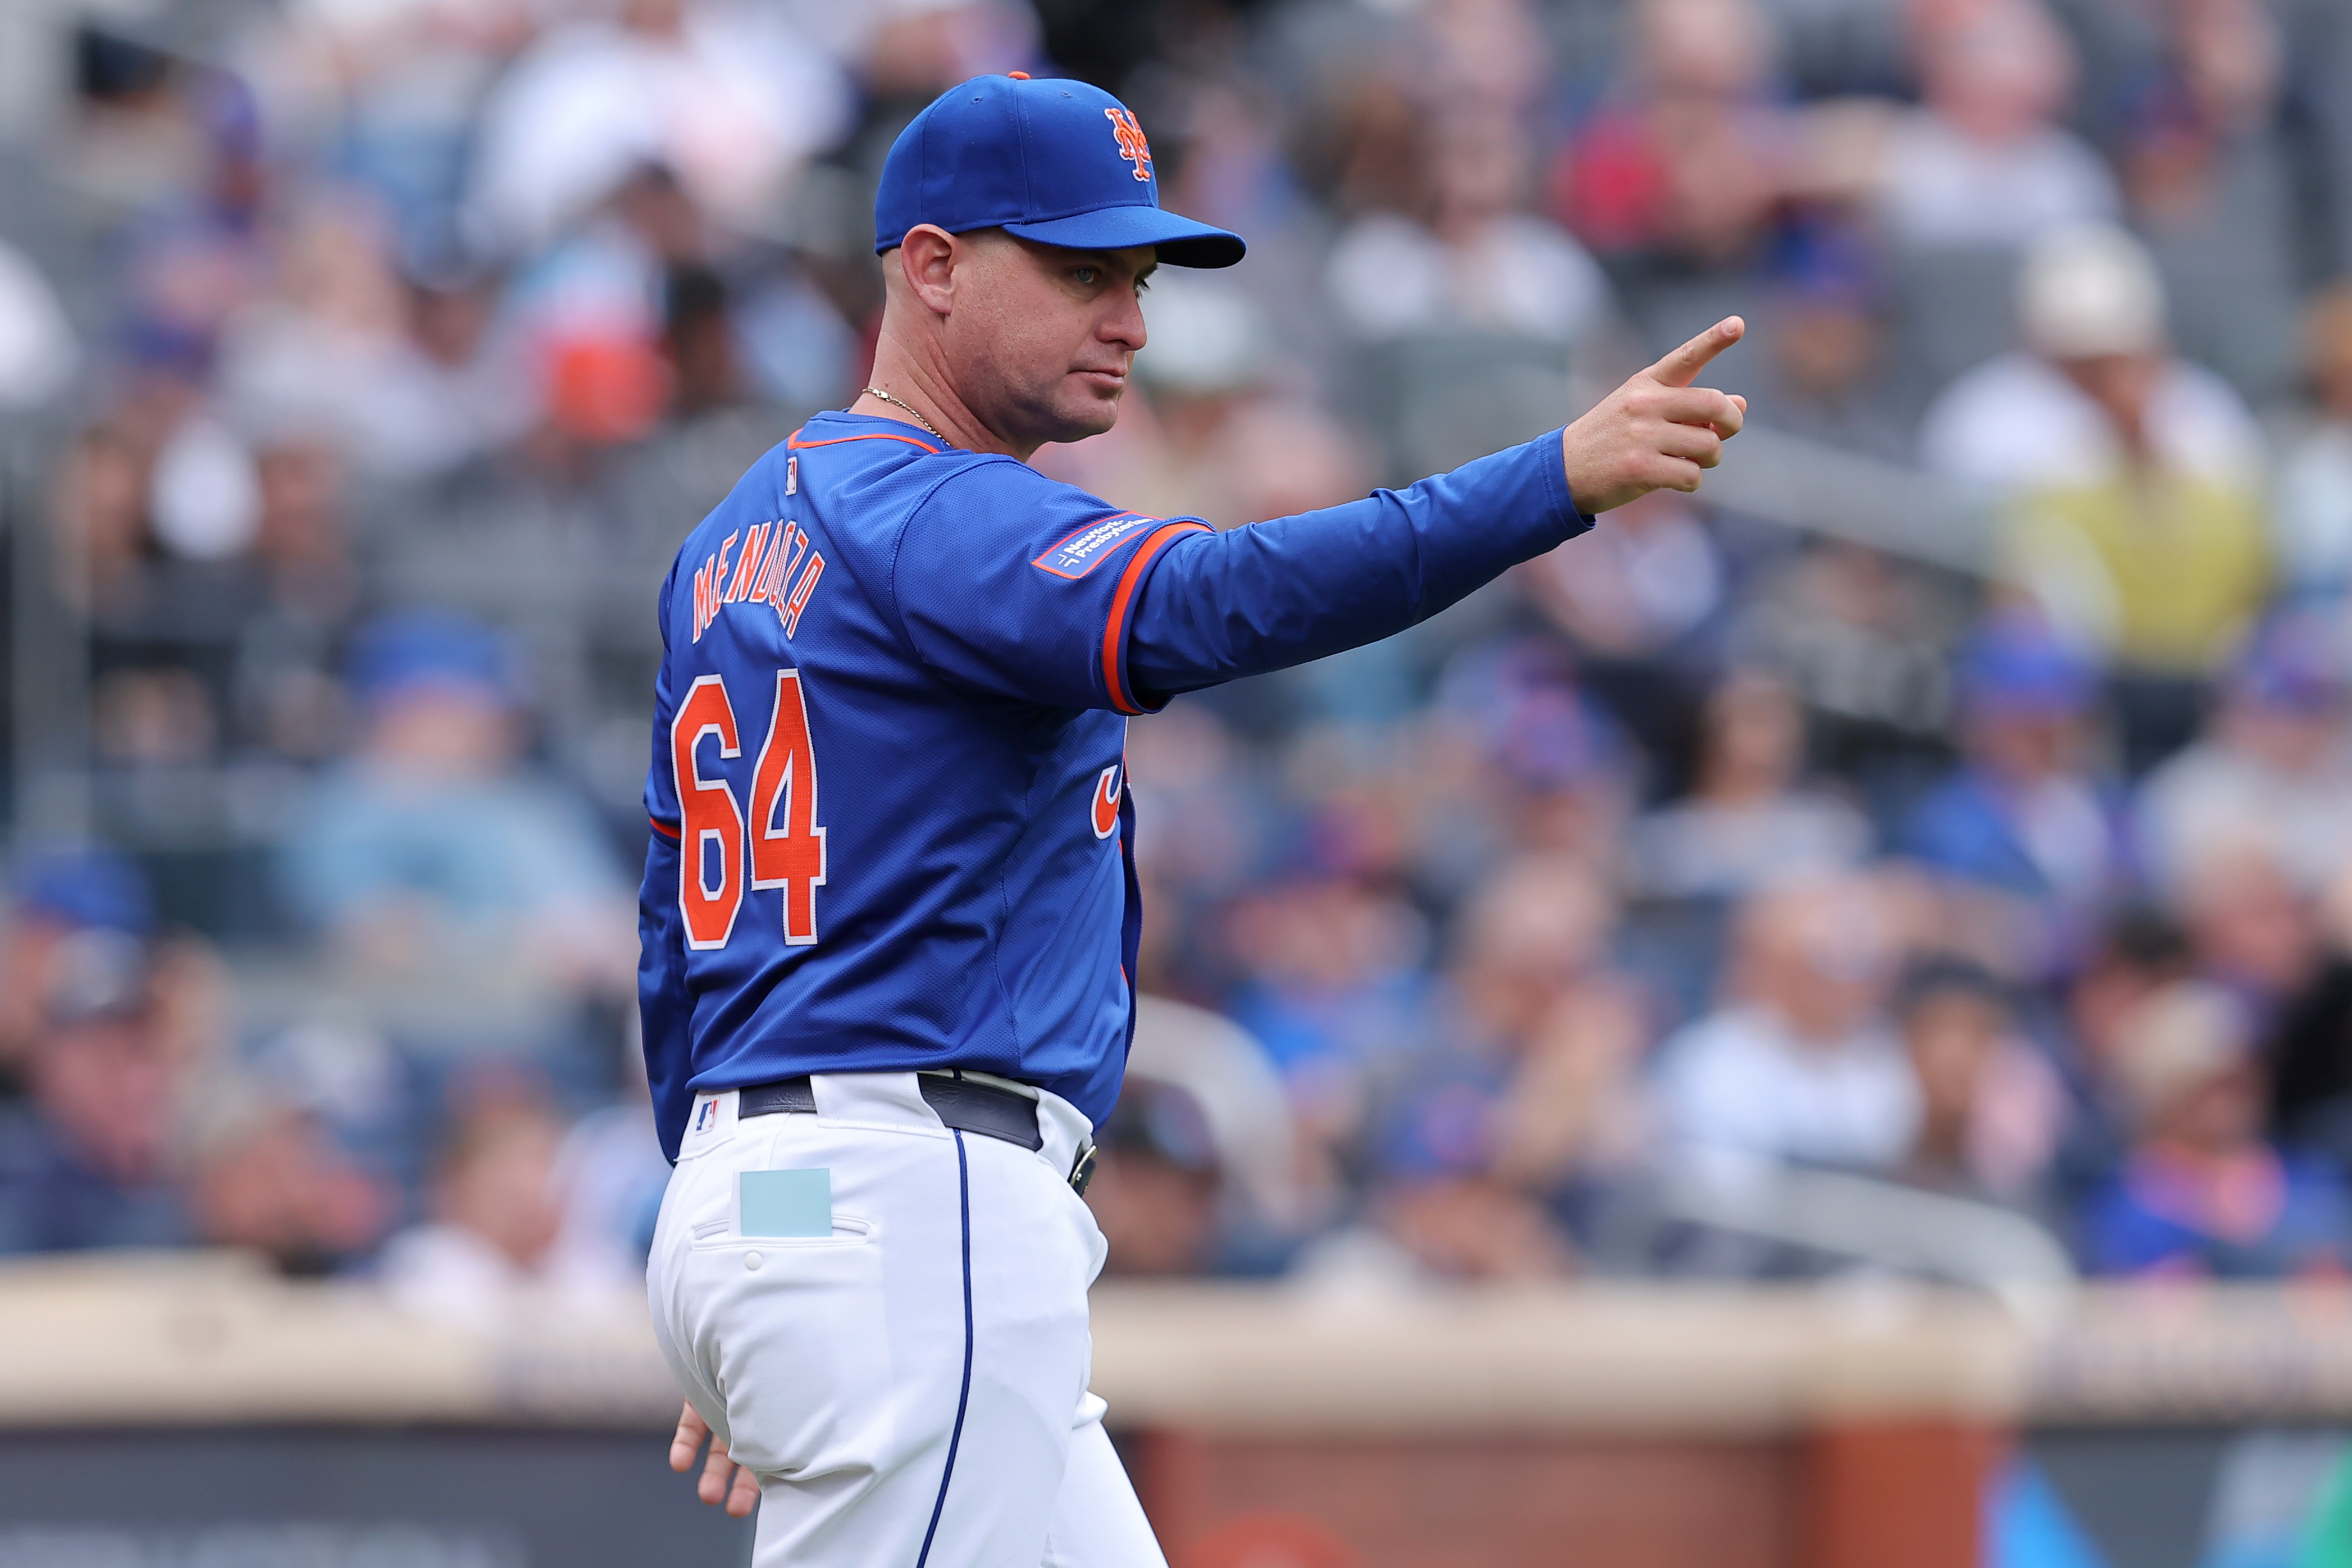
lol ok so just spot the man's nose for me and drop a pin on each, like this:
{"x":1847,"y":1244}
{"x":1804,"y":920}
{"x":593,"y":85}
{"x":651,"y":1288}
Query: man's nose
{"x":1124,"y":325}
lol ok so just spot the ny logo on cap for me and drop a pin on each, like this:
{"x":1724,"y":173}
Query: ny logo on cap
{"x":1131,"y":145}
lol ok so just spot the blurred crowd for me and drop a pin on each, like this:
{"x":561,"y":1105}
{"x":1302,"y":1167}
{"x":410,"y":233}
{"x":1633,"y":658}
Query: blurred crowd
{"x":1931,"y":852}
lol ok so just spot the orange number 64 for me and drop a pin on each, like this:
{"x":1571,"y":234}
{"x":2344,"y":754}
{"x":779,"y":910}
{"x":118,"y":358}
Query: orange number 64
{"x":784,"y":844}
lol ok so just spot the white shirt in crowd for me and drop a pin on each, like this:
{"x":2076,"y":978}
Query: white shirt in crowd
{"x":1390,"y":278}
{"x":1938,"y":187}
{"x":2214,"y":796}
{"x":1739,"y":1080}
{"x":2016,"y":423}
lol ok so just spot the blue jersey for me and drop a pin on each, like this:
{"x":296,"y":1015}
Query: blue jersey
{"x":890,"y":826}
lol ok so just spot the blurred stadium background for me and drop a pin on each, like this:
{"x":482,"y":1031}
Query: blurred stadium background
{"x":1812,"y":1027}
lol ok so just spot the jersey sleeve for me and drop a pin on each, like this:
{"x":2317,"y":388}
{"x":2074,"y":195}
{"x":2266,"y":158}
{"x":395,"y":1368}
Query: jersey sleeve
{"x":663,"y":1007}
{"x":1011,"y":584}
{"x":1280,"y":593}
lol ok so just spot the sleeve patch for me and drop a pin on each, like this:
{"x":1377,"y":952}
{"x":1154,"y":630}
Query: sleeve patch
{"x":1091,"y":546}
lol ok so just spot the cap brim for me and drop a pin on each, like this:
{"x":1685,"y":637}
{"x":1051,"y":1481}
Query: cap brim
{"x":1180,"y":241}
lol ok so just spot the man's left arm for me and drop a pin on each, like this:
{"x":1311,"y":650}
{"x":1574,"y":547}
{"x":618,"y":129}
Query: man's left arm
{"x":1221,"y":606}
{"x":1276,"y":594}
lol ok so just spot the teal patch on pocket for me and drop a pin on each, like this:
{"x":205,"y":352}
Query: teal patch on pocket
{"x":786,"y":1203}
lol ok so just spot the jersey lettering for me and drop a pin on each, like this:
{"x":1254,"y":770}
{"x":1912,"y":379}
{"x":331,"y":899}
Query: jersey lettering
{"x":776,"y":569}
{"x":710,"y":828}
{"x":748,"y":569}
{"x":772,"y":571}
{"x":801,"y":592}
{"x":1091,"y":546}
{"x":787,"y":845}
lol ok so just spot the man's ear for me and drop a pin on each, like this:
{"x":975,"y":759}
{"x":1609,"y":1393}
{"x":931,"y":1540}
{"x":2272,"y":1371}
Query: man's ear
{"x":927,"y":259}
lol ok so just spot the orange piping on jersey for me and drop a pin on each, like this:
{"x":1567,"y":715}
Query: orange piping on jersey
{"x":664,"y":829}
{"x":797,"y":445}
{"x":1116,"y":629}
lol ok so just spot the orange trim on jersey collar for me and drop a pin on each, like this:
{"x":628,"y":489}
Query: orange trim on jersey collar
{"x":795,"y":444}
{"x":1116,"y":627}
{"x":664,"y":829}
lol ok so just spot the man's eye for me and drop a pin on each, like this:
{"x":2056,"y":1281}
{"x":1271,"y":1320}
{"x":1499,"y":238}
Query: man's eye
{"x":1143,"y":285}
{"x":1086,"y":274}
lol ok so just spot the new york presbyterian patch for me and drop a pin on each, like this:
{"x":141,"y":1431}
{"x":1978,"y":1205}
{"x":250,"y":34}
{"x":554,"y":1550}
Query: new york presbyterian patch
{"x":1086,"y":549}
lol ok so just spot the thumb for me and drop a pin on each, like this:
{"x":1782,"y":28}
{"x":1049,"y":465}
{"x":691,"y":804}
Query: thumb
{"x":1680,"y":367}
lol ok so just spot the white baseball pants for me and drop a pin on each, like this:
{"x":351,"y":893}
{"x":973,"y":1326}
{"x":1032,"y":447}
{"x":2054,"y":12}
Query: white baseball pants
{"x":911,"y":1389}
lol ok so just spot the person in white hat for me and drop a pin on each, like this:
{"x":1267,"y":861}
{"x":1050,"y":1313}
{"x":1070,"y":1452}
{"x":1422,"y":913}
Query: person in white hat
{"x":2092,"y":385}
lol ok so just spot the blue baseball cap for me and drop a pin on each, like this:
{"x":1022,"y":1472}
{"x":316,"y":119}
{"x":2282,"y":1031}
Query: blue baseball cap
{"x":409,"y":649}
{"x":2014,"y":665}
{"x":1057,"y":161}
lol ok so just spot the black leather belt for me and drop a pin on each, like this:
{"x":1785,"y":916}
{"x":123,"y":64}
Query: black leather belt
{"x":960,"y":1102}
{"x":965,"y":1104}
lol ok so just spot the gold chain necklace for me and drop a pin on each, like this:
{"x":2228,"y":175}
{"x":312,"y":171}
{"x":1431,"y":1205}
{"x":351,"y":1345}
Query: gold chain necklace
{"x":878,"y":392}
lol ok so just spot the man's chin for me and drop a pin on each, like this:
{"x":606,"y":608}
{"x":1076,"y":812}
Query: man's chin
{"x":1095,"y":419}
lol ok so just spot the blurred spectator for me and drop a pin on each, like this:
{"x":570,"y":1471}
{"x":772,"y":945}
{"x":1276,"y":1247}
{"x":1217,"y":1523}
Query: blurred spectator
{"x":1685,"y":165}
{"x":1267,"y":1197}
{"x":2211,"y":184}
{"x":2272,"y":769}
{"x":1455,"y":251}
{"x":1866,"y":640}
{"x":1640,"y":587}
{"x":1986,"y":159}
{"x":2200,"y":1192}
{"x":266,"y":1178}
{"x":396,"y":374}
{"x":2129,"y":479}
{"x":2022,"y":813}
{"x":1556,"y":774}
{"x":1156,"y":1182}
{"x":89,"y":1160}
{"x":1799,"y":1062}
{"x":54,"y":896}
{"x":730,"y":96}
{"x":1333,"y":987}
{"x":455,"y":884}
{"x":2094,"y":391}
{"x":611,"y":1173}
{"x":38,"y":354}
{"x":1530,"y":1096}
{"x":2310,"y":514}
{"x":495,"y":1249}
{"x":2254,"y":929}
{"x":1991,"y":1108}
{"x":1824,"y":331}
{"x":1747,"y":823}
{"x":1466,"y":1227}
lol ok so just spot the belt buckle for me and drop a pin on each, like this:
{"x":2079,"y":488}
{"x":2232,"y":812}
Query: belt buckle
{"x":1082,"y":1170}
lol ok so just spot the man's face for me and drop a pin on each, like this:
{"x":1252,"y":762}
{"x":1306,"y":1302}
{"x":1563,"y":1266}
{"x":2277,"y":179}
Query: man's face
{"x":1041,"y":339}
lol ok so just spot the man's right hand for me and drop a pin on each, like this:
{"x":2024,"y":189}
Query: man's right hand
{"x":740,"y":1493}
{"x":1657,"y":431}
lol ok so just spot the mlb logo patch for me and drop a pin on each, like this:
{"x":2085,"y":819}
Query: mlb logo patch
{"x":1086,"y":549}
{"x":706,"y":1115}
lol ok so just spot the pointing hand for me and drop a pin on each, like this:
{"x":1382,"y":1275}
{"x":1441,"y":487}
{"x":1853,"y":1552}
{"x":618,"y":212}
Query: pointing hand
{"x":1657,"y":431}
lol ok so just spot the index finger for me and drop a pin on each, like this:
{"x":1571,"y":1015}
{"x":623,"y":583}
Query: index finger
{"x":1678,"y":368}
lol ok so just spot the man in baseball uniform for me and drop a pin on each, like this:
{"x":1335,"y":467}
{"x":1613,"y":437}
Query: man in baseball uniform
{"x":889,"y":912}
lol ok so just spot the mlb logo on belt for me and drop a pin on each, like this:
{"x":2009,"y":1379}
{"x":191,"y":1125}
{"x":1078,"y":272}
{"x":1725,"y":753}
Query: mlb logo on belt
{"x":707,"y":1116}
{"x":1084,"y":550}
